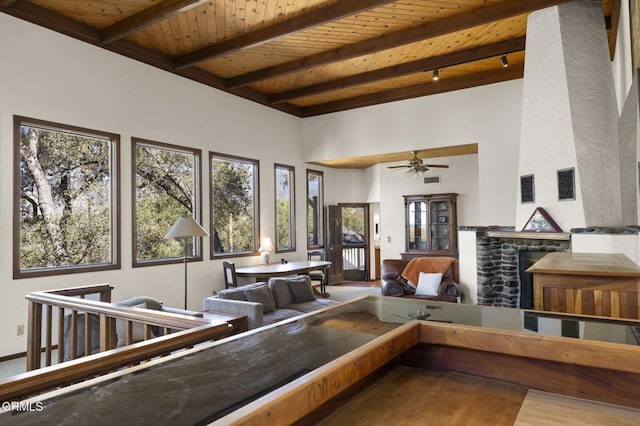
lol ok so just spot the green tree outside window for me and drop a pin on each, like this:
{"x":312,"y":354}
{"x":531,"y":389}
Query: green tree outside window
{"x":234,"y":205}
{"x":66,"y":206}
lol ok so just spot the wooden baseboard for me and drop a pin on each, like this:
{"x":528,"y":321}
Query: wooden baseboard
{"x":22,"y":354}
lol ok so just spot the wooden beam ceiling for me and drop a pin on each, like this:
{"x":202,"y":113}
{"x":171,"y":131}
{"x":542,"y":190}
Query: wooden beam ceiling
{"x":474,"y":54}
{"x":430,"y":88}
{"x":456,"y":23}
{"x":44,"y":17}
{"x":146,"y":17}
{"x":272,"y":32}
{"x":240,"y":49}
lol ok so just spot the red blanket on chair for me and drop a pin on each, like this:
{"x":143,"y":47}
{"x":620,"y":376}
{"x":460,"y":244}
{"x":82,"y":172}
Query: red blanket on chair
{"x":430,"y":264}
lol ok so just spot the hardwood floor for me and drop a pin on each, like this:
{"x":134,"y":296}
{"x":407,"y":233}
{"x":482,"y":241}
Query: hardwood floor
{"x":545,"y":409}
{"x":413,"y":396}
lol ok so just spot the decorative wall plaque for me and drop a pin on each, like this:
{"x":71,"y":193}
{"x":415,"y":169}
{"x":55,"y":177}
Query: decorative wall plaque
{"x":566,"y":184}
{"x":527,"y":189}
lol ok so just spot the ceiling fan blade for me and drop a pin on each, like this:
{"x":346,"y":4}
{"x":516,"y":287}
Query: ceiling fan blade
{"x":397,"y":167}
{"x":443,"y":166}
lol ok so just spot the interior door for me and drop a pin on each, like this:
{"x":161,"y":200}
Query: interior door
{"x":348,"y":242}
{"x":355,"y":241}
{"x":334,"y":244}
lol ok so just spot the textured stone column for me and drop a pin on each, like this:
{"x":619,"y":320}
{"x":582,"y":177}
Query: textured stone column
{"x":570,"y":117}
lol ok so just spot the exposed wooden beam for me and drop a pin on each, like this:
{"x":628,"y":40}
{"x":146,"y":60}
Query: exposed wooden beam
{"x":272,"y":32}
{"x":442,"y":61}
{"x":7,"y":3}
{"x":480,"y":16}
{"x":431,"y":88}
{"x":54,"y":21}
{"x":49,"y":19}
{"x":613,"y":31}
{"x":146,"y":17}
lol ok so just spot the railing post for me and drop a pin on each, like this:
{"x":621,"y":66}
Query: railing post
{"x":60,"y":334}
{"x":49,"y":335}
{"x":107,"y":332}
{"x":105,"y":295}
{"x":73,"y":347}
{"x":34,"y":335}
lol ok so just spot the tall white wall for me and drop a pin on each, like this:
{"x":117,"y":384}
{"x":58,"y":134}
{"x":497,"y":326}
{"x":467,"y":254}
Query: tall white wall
{"x":52,"y":77}
{"x":488,"y":115}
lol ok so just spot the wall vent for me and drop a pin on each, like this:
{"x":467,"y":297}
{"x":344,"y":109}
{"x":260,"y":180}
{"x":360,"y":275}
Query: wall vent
{"x":432,"y":179}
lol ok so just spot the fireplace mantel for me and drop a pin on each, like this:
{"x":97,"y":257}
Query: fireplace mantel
{"x":556,"y":236}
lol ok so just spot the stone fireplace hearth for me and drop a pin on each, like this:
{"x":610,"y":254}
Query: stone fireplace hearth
{"x":491,"y":256}
{"x":499,"y":258}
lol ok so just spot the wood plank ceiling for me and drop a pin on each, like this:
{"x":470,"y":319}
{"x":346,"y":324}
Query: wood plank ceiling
{"x":310,"y":57}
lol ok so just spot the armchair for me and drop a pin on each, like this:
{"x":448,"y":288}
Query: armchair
{"x":395,"y":283}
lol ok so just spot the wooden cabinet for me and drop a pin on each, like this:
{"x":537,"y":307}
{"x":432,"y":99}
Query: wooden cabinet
{"x":587,"y":283}
{"x":431,"y":225}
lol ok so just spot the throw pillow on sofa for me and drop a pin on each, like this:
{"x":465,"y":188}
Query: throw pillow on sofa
{"x":428,"y":284}
{"x":261,"y":294}
{"x":280,"y":290}
{"x":300,"y":288}
{"x":233,"y":294}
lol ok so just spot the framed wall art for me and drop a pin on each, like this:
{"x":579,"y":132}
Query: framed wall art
{"x":540,"y":221}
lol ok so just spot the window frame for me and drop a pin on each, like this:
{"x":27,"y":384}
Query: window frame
{"x":256,"y":205}
{"x":115,"y":205}
{"x":197,"y":209}
{"x":292,"y":206}
{"x":321,"y":213}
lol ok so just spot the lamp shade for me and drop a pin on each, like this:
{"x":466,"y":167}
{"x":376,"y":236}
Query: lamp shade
{"x":266,"y":245}
{"x":186,"y":226}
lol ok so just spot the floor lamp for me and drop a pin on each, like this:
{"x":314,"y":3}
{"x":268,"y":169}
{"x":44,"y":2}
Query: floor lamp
{"x":185,"y":228}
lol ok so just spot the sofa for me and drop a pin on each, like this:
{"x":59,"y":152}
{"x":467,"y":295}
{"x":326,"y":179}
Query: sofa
{"x":394,"y":280}
{"x":268,"y":302}
{"x":94,"y":322}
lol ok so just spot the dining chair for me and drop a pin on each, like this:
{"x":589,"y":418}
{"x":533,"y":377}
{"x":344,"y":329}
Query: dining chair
{"x":230,"y":279}
{"x":317,"y":275}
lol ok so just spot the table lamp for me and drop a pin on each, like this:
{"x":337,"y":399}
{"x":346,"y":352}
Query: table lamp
{"x":265,"y":248}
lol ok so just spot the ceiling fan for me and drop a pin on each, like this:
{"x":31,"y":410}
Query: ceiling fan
{"x":416,"y":166}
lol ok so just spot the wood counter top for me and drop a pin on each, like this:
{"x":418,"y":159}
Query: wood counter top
{"x":598,"y":264}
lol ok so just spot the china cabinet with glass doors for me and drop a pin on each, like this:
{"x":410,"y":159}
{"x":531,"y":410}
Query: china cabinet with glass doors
{"x":430,"y":225}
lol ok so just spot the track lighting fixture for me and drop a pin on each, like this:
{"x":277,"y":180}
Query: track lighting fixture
{"x":436,"y":74}
{"x":504,"y":61}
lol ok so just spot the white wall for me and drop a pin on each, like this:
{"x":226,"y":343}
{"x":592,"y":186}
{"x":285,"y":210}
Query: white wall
{"x":460,"y":178}
{"x":629,"y":245}
{"x":48,"y":76}
{"x":488,"y":115}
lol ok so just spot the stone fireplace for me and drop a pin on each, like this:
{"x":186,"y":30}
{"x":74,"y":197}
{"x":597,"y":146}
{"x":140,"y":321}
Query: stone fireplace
{"x":493,"y":258}
{"x":502,"y":258}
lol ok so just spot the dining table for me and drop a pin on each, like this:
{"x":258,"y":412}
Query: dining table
{"x":264,"y":272}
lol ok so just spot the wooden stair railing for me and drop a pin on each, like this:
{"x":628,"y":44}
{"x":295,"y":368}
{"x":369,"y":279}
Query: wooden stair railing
{"x":34,"y":325}
{"x":73,"y":299}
